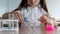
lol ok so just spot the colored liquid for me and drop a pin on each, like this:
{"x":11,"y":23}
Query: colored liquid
{"x":9,"y":27}
{"x":25,"y":18}
{"x":49,"y":27}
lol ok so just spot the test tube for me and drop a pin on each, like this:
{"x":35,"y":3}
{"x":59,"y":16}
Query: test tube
{"x":9,"y":16}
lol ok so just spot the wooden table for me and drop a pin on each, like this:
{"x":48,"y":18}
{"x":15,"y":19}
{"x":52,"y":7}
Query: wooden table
{"x":32,"y":30}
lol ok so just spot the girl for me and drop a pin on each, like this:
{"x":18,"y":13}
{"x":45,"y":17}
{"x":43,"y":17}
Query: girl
{"x":34,"y":11}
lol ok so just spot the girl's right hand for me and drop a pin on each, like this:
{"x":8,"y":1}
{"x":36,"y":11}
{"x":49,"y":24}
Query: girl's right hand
{"x":20,"y":17}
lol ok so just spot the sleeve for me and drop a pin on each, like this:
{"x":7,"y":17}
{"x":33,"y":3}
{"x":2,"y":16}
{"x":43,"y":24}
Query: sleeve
{"x":21,"y":11}
{"x":44,"y":12}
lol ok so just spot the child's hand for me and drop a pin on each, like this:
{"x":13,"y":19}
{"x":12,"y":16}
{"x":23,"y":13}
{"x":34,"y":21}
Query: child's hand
{"x":44,"y":19}
{"x":20,"y":17}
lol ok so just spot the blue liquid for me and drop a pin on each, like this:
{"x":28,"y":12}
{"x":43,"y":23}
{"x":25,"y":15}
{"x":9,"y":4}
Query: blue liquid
{"x":9,"y":27}
{"x":25,"y":18}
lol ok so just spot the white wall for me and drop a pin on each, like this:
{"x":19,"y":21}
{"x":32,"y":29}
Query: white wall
{"x":8,"y":5}
{"x":54,"y":8}
{"x":13,"y":4}
{"x":3,"y":6}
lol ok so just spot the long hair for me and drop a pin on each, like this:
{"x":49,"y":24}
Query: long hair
{"x":25,"y":4}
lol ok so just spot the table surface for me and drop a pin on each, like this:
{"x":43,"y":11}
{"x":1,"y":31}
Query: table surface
{"x":32,"y":30}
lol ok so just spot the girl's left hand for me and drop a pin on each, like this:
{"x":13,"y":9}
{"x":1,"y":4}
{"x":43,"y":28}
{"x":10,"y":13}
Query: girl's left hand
{"x":44,"y":19}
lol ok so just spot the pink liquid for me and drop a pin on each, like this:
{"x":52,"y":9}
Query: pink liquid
{"x":50,"y":27}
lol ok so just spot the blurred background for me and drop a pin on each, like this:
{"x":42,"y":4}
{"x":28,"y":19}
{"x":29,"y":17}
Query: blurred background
{"x":9,"y":5}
